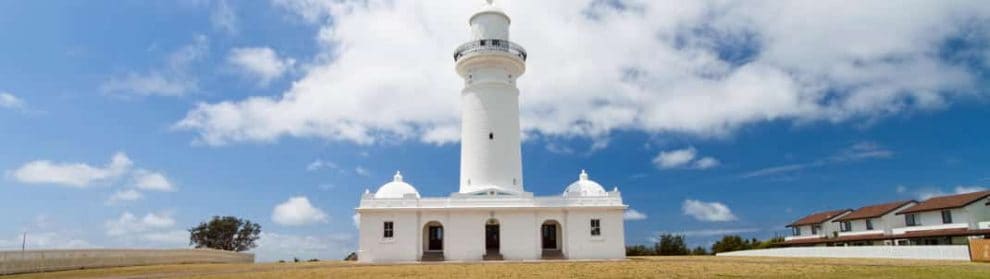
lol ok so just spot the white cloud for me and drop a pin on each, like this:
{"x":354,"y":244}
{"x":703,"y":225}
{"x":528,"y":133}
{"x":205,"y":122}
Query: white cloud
{"x":129,"y":224}
{"x":174,"y":237}
{"x":927,"y":193}
{"x":707,"y":211}
{"x":857,"y":152}
{"x":715,"y":232}
{"x":683,"y":158}
{"x":356,"y":218}
{"x":359,"y":170}
{"x":152,"y":181}
{"x":260,"y":63}
{"x":10,"y":101}
{"x":297,"y":211}
{"x":277,"y":246}
{"x":124,"y":196}
{"x":224,"y":18}
{"x":703,"y":68}
{"x":44,"y":240}
{"x":78,"y":175}
{"x":319,"y":164}
{"x":172,"y":79}
{"x":633,"y":215}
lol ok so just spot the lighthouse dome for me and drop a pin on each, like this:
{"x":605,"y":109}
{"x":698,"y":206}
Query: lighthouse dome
{"x":395,"y":189}
{"x":585,"y":187}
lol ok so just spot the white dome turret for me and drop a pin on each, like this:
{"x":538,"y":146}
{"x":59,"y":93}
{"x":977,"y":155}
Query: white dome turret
{"x":395,"y":189}
{"x":585,"y":187}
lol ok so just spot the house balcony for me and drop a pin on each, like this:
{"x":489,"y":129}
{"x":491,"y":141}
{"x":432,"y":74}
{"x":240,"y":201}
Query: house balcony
{"x":855,"y":233}
{"x":802,"y":237}
{"x":489,"y":46}
{"x":899,"y":231}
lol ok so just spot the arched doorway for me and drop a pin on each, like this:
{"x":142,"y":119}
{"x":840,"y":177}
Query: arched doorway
{"x":433,"y":235}
{"x":493,"y":240}
{"x":551,"y":239}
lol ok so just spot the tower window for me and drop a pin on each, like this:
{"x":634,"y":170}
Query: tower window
{"x":491,"y":136}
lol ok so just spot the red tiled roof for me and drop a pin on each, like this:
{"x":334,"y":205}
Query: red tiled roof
{"x":873,"y":211}
{"x":946,"y":202}
{"x":818,"y":218}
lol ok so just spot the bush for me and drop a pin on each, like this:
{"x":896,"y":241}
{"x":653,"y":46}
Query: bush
{"x":671,"y":245}
{"x":639,"y":250}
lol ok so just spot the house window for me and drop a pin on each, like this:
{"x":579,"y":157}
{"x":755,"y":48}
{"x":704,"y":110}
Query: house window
{"x":797,"y":231}
{"x":815,"y":229}
{"x":491,"y":136}
{"x":869,"y":224}
{"x":596,"y":227}
{"x":389,"y":229}
{"x":911,"y":220}
{"x":845,"y":226}
{"x":946,"y":216}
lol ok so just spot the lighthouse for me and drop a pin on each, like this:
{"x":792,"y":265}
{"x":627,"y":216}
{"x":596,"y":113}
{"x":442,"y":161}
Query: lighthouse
{"x":491,"y":217}
{"x":491,"y":158}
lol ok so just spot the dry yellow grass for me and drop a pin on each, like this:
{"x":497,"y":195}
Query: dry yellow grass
{"x":636,"y":267}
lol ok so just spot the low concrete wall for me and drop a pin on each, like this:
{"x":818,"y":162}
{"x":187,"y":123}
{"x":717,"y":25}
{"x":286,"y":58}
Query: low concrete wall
{"x":12,"y":262}
{"x":940,"y":252}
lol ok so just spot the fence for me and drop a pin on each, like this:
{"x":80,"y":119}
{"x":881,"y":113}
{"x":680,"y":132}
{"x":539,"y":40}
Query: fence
{"x":939,"y":252}
{"x":12,"y":262}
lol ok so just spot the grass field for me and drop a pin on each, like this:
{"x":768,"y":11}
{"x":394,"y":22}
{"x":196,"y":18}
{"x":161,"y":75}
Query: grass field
{"x":636,"y":267}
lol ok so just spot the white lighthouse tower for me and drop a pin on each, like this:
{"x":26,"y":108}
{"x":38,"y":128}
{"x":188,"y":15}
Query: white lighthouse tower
{"x":491,"y":159}
{"x":491,"y":217}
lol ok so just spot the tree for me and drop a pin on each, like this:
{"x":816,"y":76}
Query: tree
{"x":225,"y":233}
{"x":639,"y":250}
{"x":699,"y":251}
{"x":730,"y":243}
{"x":670,"y":244}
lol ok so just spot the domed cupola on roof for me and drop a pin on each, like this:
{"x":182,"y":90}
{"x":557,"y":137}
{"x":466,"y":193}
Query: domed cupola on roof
{"x":585,"y":187}
{"x":395,"y":189}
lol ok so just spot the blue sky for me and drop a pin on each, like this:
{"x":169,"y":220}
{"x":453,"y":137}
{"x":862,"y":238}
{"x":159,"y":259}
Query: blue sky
{"x":124,"y":124}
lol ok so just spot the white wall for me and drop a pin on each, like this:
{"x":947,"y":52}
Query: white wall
{"x":402,"y":247}
{"x":464,"y":233}
{"x":581,"y":245}
{"x":978,"y":212}
{"x":943,"y":252}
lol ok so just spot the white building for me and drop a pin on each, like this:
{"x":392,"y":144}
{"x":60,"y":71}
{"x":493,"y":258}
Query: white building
{"x":491,"y":217}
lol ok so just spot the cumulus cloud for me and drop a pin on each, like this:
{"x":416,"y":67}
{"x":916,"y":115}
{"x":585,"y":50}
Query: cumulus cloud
{"x":260,"y":63}
{"x":930,"y":192}
{"x":77,"y":175}
{"x":128,"y":223}
{"x":278,"y":246}
{"x":152,"y":181}
{"x":172,"y":79}
{"x":10,"y":101}
{"x":298,"y":211}
{"x":703,"y":68}
{"x":683,"y":158}
{"x":125,"y":195}
{"x":707,"y":211}
{"x":633,"y":215}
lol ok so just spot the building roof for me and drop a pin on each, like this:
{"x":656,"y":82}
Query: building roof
{"x":585,"y":187}
{"x":874,"y":211}
{"x":946,"y":202}
{"x":818,"y":218}
{"x":395,"y":189}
